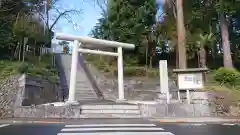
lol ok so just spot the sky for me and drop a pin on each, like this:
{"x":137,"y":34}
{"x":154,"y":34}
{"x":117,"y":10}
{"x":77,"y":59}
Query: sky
{"x":86,"y":20}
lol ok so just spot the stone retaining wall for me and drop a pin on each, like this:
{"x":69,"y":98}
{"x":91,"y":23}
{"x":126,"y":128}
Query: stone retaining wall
{"x":11,"y":89}
{"x":147,"y":111}
{"x":47,"y":112}
{"x":14,"y":92}
{"x":40,"y":91}
{"x":178,"y":110}
{"x":134,"y":88}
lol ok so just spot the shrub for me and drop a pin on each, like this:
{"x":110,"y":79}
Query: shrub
{"x":135,"y":71}
{"x":8,"y":68}
{"x":153,"y":72}
{"x":23,"y":68}
{"x":227,"y":76}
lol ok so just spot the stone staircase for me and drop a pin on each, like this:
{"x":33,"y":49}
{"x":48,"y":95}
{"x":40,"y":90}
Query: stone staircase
{"x":84,"y":87}
{"x":110,"y":111}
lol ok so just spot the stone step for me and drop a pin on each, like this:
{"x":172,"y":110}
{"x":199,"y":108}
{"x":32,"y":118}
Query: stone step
{"x":85,"y":86}
{"x":78,"y":81}
{"x":82,"y":91}
{"x":80,"y":77}
{"x":85,"y":93}
{"x":78,"y":90}
{"x":123,"y":116}
{"x":82,"y":85}
{"x":86,"y":97}
{"x":109,"y":107}
{"x":113,"y":111}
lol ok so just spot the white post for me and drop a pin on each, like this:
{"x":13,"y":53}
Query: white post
{"x":120,"y":75}
{"x":188,"y":97}
{"x":168,"y":97}
{"x":71,"y":96}
{"x":179,"y":95}
{"x":163,"y":74}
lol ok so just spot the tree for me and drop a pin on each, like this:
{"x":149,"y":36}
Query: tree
{"x":66,"y":49}
{"x":227,"y":57}
{"x":204,"y":40}
{"x":181,"y":35}
{"x":63,"y":43}
{"x":129,"y":21}
{"x":201,"y":21}
{"x":52,"y":6}
{"x":177,"y":6}
{"x":15,"y":24}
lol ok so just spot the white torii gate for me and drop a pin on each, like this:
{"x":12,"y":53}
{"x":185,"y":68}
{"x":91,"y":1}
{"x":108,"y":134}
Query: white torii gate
{"x":78,"y":41}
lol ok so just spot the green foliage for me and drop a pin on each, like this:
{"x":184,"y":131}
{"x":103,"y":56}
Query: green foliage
{"x":42,"y":68}
{"x":227,"y":76}
{"x":129,"y":69}
{"x":25,"y":26}
{"x":135,"y":71}
{"x":8,"y":68}
{"x":63,"y":43}
{"x":128,"y":21}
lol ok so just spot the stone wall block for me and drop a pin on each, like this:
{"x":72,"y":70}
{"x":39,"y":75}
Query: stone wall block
{"x":54,"y":111}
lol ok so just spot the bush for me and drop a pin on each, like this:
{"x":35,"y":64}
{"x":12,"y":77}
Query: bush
{"x":8,"y":68}
{"x":153,"y":72}
{"x":135,"y":71}
{"x":23,"y":67}
{"x":227,"y":76}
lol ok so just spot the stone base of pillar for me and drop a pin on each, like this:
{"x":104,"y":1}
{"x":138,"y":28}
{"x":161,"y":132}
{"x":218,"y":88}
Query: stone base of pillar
{"x":69,"y":102}
{"x":121,"y":100}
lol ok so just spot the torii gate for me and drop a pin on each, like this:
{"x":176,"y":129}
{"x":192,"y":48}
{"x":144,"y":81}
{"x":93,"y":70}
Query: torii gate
{"x":78,"y":42}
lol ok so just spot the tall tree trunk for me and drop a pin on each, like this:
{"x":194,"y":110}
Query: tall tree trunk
{"x":176,"y":53}
{"x":202,"y":57}
{"x":146,"y":55}
{"x":23,"y":52}
{"x":227,"y":58}
{"x":182,"y":61}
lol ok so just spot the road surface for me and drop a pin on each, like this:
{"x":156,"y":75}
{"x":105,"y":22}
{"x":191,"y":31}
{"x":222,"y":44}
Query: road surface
{"x":119,"y":127}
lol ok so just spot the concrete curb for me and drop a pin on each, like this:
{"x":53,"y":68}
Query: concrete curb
{"x":159,"y":120}
{"x":30,"y":122}
{"x":196,"y":120}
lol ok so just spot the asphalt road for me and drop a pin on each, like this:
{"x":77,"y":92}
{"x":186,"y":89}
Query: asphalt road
{"x":119,"y":127}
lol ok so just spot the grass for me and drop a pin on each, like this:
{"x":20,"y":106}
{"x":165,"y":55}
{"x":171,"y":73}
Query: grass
{"x":8,"y":68}
{"x":32,"y":67}
{"x":102,"y":64}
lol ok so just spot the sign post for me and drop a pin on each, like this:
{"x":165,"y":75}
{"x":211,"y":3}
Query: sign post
{"x":190,"y":79}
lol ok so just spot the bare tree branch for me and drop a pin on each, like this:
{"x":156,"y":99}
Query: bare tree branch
{"x":58,"y":16}
{"x":62,"y":14}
